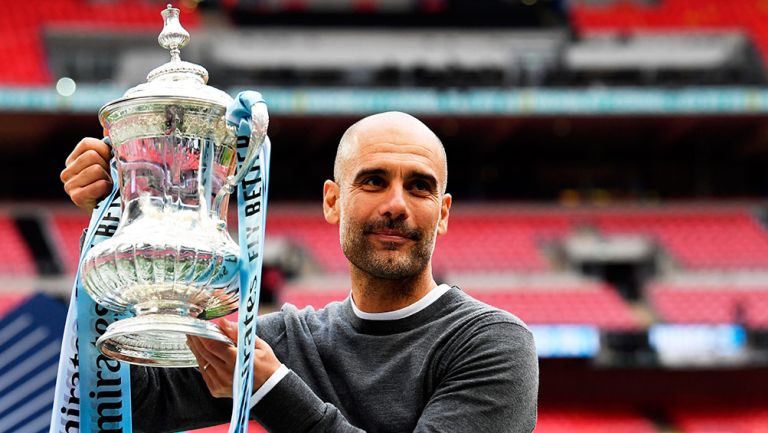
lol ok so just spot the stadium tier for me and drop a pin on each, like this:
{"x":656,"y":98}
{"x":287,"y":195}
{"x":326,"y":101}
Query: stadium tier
{"x":15,"y":256}
{"x":592,"y":421}
{"x":690,"y":304}
{"x":65,"y":230}
{"x":24,"y":25}
{"x":580,"y":304}
{"x":678,"y":16}
{"x":721,"y":419}
{"x":699,"y":238}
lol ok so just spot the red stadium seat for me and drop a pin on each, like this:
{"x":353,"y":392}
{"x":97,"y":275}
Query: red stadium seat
{"x":15,"y":257}
{"x":592,"y":421}
{"x":699,"y":238}
{"x":579,"y":304}
{"x":720,"y":304}
{"x":66,"y":229}
{"x":721,"y":419}
{"x":22,"y":24}
{"x":673,"y":16}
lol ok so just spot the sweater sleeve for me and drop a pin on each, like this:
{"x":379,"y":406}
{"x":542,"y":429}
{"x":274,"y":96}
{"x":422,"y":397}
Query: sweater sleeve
{"x":292,"y":407}
{"x":490,"y":384}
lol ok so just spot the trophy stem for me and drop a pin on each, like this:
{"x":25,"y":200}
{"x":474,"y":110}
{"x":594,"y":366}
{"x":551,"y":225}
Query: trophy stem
{"x":158,"y":340}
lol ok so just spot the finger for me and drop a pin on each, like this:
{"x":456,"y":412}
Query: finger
{"x":86,"y":177}
{"x":202,"y":356}
{"x":87,"y":159}
{"x":216,"y":375}
{"x":90,"y":143}
{"x":222,"y":351}
{"x":201,"y":362}
{"x":88,"y":196}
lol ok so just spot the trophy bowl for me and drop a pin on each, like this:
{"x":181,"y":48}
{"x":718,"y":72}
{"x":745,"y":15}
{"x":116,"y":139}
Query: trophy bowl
{"x":171,"y":262}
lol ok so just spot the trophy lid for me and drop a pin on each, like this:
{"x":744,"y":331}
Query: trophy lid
{"x":177,"y":78}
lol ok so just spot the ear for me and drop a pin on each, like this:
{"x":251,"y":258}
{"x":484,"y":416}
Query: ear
{"x":445,"y":210}
{"x":331,"y":201}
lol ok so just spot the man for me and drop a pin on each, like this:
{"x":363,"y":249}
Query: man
{"x":400,"y":354}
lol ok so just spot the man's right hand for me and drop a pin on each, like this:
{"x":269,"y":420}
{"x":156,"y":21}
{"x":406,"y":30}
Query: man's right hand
{"x":86,"y":176}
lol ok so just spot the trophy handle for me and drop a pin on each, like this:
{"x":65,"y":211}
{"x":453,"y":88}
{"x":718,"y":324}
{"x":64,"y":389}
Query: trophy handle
{"x":259,"y":124}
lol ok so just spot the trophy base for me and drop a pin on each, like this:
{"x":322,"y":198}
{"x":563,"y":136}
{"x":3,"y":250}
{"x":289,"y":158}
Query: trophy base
{"x":156,"y":340}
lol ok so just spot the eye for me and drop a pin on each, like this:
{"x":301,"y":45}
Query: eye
{"x":373,"y":181}
{"x":421,"y":187}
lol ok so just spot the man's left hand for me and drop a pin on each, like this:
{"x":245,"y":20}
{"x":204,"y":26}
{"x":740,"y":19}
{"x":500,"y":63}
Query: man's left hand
{"x":217,"y":360}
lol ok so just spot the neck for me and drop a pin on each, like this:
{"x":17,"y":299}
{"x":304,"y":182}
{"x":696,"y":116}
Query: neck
{"x":377,"y":295}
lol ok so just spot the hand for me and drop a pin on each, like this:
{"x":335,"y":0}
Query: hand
{"x":217,"y":360}
{"x":86,"y":176}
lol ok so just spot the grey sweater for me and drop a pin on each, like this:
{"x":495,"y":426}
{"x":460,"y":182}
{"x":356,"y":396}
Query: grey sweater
{"x":456,"y":366}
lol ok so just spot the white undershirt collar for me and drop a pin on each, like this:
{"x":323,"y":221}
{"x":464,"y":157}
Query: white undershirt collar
{"x":431,"y":296}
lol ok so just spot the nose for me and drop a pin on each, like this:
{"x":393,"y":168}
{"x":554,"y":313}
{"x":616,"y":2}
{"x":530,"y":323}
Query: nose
{"x":394,"y":205}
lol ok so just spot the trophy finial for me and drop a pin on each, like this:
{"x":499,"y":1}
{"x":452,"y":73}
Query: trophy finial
{"x":174,"y":36}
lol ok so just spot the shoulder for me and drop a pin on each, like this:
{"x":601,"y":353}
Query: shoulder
{"x":477,"y":328}
{"x":481,"y":315}
{"x":295,"y":319}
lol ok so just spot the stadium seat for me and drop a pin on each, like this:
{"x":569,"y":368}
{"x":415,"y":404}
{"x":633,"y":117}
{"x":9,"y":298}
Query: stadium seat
{"x":697,"y":238}
{"x":711,"y":304}
{"x":592,"y":421}
{"x":579,"y":304}
{"x":674,"y":16}
{"x":721,"y":419}
{"x":15,"y":256}
{"x":23,"y":24}
{"x":65,"y":231}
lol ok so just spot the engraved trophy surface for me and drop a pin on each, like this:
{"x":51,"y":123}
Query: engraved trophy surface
{"x":171,"y":262}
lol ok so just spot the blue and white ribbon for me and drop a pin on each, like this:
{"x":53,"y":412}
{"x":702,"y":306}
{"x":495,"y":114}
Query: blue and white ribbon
{"x":93,"y":392}
{"x":251,"y":215}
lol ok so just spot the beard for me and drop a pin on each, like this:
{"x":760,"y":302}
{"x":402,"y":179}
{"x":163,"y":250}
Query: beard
{"x":397,"y":261}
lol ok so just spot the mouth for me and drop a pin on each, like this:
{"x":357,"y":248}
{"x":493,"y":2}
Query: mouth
{"x":391,"y":236}
{"x":391,"y":232}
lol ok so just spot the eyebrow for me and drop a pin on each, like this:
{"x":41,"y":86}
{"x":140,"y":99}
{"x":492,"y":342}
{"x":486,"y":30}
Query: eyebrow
{"x":430,"y":179}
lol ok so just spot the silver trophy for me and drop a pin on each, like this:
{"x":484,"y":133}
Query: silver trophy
{"x":171,"y":261}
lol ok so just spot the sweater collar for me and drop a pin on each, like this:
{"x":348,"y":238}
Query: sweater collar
{"x":402,"y":323}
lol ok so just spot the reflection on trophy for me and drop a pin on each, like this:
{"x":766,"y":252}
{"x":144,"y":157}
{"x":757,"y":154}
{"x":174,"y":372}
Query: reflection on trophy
{"x":171,"y":262}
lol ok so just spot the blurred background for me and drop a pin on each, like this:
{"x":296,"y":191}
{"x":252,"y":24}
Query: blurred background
{"x":608,"y":162}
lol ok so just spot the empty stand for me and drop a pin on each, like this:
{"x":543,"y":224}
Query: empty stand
{"x":721,"y":419}
{"x":498,"y":241}
{"x":65,"y":230}
{"x":674,"y":15}
{"x":15,"y":256}
{"x":711,"y":304}
{"x":698,"y":238}
{"x":577,"y":304}
{"x":592,"y":421}
{"x":23,"y":25}
{"x":310,"y":230}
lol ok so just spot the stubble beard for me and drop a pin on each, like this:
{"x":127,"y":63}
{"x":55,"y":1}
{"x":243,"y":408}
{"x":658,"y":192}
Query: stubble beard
{"x":390,"y":264}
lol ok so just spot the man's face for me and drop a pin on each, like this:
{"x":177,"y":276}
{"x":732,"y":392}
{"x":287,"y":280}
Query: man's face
{"x":390,"y":205}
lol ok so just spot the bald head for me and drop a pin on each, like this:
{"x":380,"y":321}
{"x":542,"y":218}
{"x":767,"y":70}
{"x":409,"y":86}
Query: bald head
{"x":391,"y":127}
